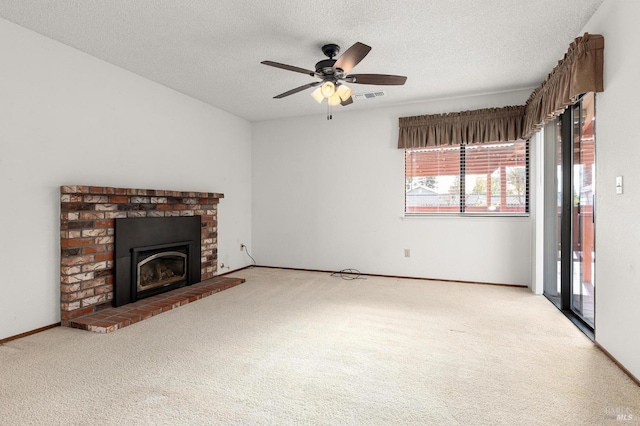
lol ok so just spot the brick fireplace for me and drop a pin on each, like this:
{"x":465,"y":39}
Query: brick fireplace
{"x":87,"y":220}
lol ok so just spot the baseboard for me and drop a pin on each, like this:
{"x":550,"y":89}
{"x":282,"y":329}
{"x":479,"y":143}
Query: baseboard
{"x":616,"y":362}
{"x":397,"y":276}
{"x":29,"y":333}
{"x":235,"y":270}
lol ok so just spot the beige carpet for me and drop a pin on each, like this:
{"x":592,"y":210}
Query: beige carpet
{"x":292,"y":347}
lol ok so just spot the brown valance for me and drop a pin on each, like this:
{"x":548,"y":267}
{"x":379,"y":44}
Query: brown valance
{"x":580,"y":71}
{"x":481,"y":125}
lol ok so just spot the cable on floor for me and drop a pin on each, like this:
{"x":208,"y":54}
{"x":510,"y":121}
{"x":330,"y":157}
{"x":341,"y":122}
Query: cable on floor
{"x":349,"y":274}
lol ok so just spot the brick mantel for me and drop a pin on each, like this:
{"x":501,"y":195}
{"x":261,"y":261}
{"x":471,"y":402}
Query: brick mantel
{"x":87,"y":219}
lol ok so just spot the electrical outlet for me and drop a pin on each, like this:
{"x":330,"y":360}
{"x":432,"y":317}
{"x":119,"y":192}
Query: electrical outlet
{"x":618,"y":185}
{"x":241,"y":246}
{"x":407,"y":252}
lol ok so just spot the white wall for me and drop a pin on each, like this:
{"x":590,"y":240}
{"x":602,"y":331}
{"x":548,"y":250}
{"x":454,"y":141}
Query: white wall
{"x":329,"y":195}
{"x":69,"y":118}
{"x":617,"y":154}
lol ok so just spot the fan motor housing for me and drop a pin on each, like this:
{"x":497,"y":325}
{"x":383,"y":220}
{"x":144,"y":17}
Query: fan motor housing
{"x":325,"y":67}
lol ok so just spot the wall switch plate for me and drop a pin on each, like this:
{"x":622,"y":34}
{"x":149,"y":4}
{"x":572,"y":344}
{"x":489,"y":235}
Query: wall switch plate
{"x":407,"y":252}
{"x":618,"y":184}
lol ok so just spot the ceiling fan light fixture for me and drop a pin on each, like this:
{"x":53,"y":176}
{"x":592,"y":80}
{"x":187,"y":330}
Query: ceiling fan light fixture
{"x":333,"y":73}
{"x":334,"y":100}
{"x":344,"y":92}
{"x":328,"y":89}
{"x":317,"y":95}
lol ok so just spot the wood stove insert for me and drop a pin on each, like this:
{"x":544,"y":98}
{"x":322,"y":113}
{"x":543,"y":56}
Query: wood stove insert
{"x":155,"y":255}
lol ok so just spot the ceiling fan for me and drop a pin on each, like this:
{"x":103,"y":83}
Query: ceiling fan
{"x":333,"y":74}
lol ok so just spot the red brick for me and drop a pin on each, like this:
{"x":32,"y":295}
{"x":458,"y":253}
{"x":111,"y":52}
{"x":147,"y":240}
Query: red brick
{"x":70,"y":297}
{"x":76,"y":207}
{"x":105,"y":223}
{"x":106,"y":207}
{"x":132,"y":191}
{"x":104,"y":256}
{"x":135,"y":213}
{"x":68,"y":261}
{"x":77,"y":312}
{"x":93,"y":300}
{"x":70,"y":306}
{"x":94,"y":266}
{"x":69,"y":216}
{"x":70,"y":198}
{"x":80,"y":224}
{"x":140,"y":200}
{"x":103,"y":289}
{"x":91,"y":215}
{"x":93,"y":283}
{"x":118,"y":200}
{"x":70,"y":234}
{"x":94,"y":249}
{"x":103,"y":327}
{"x":94,"y":232}
{"x":70,"y":270}
{"x":76,"y":242}
{"x":144,"y":314}
{"x":115,"y":215}
{"x":69,"y":288}
{"x":79,"y":189}
{"x":96,"y":199}
{"x":76,"y":278}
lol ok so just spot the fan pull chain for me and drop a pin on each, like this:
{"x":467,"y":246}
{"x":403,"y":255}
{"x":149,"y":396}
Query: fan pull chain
{"x":329,"y":112}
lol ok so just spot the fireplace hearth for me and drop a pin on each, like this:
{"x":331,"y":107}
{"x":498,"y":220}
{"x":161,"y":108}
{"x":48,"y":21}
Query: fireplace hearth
{"x":155,"y":255}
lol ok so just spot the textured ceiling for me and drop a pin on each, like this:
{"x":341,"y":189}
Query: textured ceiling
{"x":211,"y":50}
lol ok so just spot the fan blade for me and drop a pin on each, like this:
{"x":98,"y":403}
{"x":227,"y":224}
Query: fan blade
{"x":352,"y":57}
{"x":379,"y":79}
{"x":347,"y":102}
{"x":289,"y":67}
{"x":297,"y":89}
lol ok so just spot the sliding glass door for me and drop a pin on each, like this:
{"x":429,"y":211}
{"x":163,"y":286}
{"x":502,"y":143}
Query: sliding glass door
{"x":583,"y":244}
{"x":569,"y":211}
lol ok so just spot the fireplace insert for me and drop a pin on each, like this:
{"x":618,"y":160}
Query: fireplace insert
{"x":155,"y":255}
{"x":160,"y":266}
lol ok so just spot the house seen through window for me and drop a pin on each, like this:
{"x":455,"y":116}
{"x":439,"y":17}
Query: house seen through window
{"x":489,"y":178}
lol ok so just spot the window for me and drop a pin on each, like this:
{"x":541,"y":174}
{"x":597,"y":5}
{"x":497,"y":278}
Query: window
{"x":482,"y":178}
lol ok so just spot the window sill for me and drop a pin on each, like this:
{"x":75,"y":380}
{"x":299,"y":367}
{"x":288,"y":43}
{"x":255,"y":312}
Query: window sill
{"x":419,"y":216}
